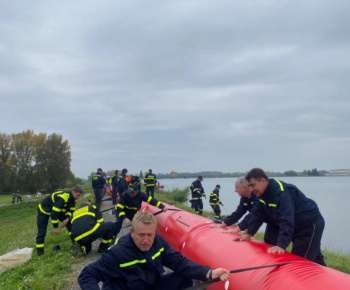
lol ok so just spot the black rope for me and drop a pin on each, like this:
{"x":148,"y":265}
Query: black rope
{"x":209,"y":282}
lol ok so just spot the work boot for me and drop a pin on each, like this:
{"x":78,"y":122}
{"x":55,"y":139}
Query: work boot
{"x":102,"y":248}
{"x":40,"y":251}
{"x":56,"y":248}
{"x":78,"y":251}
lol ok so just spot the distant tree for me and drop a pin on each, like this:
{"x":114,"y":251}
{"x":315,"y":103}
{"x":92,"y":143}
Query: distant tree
{"x":5,"y":154}
{"x":290,"y":173}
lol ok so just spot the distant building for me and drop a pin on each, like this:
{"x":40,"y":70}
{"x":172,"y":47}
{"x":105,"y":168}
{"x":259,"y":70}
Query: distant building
{"x":339,"y":172}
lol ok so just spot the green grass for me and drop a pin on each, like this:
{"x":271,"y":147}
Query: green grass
{"x":18,"y":230}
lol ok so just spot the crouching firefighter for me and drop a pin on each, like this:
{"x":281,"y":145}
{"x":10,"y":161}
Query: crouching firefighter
{"x":130,"y":202}
{"x":59,"y":206}
{"x":87,"y":226}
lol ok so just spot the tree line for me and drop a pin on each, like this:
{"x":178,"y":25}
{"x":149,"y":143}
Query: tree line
{"x":30,"y":161}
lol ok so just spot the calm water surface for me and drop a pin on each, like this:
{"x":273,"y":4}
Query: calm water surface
{"x":332,"y":194}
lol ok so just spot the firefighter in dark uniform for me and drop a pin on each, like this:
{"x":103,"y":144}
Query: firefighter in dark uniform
{"x":19,"y":198}
{"x":98,"y":184}
{"x":135,"y":180}
{"x":197,"y":193}
{"x":123,"y":184}
{"x":214,"y":201}
{"x":115,"y":181}
{"x":246,"y":204}
{"x":137,"y":260}
{"x":87,"y":226}
{"x":14,"y":197}
{"x":130,"y":202}
{"x":290,"y":217}
{"x":59,"y":206}
{"x":150,"y":181}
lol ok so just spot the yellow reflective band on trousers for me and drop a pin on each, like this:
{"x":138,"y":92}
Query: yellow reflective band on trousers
{"x":132,"y":263}
{"x":42,"y":210}
{"x":106,"y":241}
{"x":149,"y":199}
{"x":158,"y":204}
{"x":87,"y":233}
{"x":40,"y":245}
{"x":281,"y":185}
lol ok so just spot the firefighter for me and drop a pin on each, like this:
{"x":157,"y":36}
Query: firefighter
{"x":150,"y":181}
{"x":137,"y":260}
{"x":135,"y":180}
{"x":115,"y":181}
{"x":14,"y":197}
{"x":246,"y":204}
{"x":214,"y":201}
{"x":123,"y":183}
{"x":197,"y":193}
{"x":98,"y":184}
{"x":18,"y":195}
{"x":59,"y":206}
{"x":87,"y":226}
{"x":290,"y":217}
{"x":130,"y":202}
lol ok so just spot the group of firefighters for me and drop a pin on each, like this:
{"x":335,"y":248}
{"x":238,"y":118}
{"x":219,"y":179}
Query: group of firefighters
{"x":265,"y":199}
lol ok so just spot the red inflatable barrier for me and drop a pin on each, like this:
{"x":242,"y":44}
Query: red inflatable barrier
{"x":191,"y":235}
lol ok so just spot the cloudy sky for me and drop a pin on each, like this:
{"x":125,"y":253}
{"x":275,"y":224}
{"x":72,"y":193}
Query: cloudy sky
{"x":187,"y":86}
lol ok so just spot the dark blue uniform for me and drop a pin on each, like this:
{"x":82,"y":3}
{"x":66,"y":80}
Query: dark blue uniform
{"x":213,"y":201}
{"x":197,"y":197}
{"x":124,"y":266}
{"x":245,"y":205}
{"x":290,"y":217}
{"x":98,"y":184}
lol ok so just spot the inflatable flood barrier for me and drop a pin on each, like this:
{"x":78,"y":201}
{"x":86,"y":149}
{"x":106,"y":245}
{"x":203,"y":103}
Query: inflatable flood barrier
{"x":191,"y":235}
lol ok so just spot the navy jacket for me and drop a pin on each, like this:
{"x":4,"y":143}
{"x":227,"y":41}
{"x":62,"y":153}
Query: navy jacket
{"x":127,"y":206}
{"x":197,"y":186}
{"x":284,"y":205}
{"x":124,"y":266}
{"x":98,"y":181}
{"x":245,"y":205}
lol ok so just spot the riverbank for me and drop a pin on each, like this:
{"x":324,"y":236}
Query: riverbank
{"x":59,"y":270}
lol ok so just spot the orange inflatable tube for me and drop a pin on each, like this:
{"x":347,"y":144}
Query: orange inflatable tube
{"x":191,"y":235}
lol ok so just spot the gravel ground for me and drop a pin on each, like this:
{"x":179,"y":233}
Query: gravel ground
{"x":80,"y":263}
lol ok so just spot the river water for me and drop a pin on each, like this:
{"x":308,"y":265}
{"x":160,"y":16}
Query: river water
{"x":332,"y":195}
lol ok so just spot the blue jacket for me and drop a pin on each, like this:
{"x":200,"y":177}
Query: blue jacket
{"x":284,"y":205}
{"x":245,"y":204}
{"x":124,"y":266}
{"x":98,"y":181}
{"x":197,"y":186}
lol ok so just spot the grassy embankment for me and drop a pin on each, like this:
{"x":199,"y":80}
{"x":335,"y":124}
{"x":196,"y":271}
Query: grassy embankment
{"x":18,"y":230}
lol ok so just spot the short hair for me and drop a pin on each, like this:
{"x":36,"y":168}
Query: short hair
{"x":77,"y":189}
{"x":143,"y":217}
{"x":256,"y":173}
{"x":242,"y":180}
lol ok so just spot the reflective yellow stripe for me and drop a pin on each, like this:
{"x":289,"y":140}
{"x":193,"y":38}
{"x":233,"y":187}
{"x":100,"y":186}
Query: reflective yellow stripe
{"x":121,"y":213}
{"x":262,"y":201}
{"x":157,"y":254}
{"x":40,"y":245}
{"x":116,"y":242}
{"x":42,"y":210}
{"x":134,"y":208}
{"x":100,"y":220}
{"x":87,"y":233}
{"x":158,"y":204}
{"x":272,"y":204}
{"x":77,"y":215}
{"x":56,"y":209}
{"x":69,"y":213}
{"x":132,"y":263}
{"x":149,"y":199}
{"x":120,"y":205}
{"x":54,"y":221}
{"x":194,"y":198}
{"x":212,"y":203}
{"x":245,"y":204}
{"x":64,"y":196}
{"x":281,"y":185}
{"x":106,"y":241}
